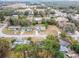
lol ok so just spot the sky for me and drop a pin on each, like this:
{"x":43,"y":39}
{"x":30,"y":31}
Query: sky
{"x":39,"y":0}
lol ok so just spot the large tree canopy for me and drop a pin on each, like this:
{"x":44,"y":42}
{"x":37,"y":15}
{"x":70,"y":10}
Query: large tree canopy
{"x":4,"y":47}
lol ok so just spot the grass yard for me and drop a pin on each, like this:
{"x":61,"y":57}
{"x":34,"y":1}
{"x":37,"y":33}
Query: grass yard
{"x":51,"y":30}
{"x":10,"y":32}
{"x":29,"y":33}
{"x":13,"y":54}
{"x":8,"y":39}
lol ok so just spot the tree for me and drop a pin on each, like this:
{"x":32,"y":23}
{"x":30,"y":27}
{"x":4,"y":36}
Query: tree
{"x":35,"y":12}
{"x":52,"y":12}
{"x":14,"y":21}
{"x":25,"y":22}
{"x":42,"y":13}
{"x":7,"y":12}
{"x":52,"y":22}
{"x":72,"y":40}
{"x":59,"y":54}
{"x":2,"y":18}
{"x":29,"y":38}
{"x":74,"y":44}
{"x":26,"y":13}
{"x":24,"y":48}
{"x":12,"y":41}
{"x":70,"y":28}
{"x":71,"y":7}
{"x":63,"y":34}
{"x":22,"y":21}
{"x":4,"y":47}
{"x":34,"y":22}
{"x":46,"y":25}
{"x":35,"y":51}
{"x":50,"y":45}
{"x":52,"y":42}
{"x":75,"y":47}
{"x":47,"y":12}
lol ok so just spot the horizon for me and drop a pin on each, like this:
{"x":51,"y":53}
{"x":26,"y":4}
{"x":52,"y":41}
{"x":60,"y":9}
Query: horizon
{"x":38,"y":0}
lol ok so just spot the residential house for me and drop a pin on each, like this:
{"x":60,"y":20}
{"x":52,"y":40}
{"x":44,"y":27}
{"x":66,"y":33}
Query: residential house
{"x":40,"y":28}
{"x":60,"y":14}
{"x":15,"y":16}
{"x":64,"y":46}
{"x":19,"y":41}
{"x":38,"y":19}
{"x":14,"y":27}
{"x":29,"y":29}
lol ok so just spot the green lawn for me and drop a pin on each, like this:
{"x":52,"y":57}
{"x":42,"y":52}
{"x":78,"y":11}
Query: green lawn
{"x":13,"y":54}
{"x":51,"y":30}
{"x":29,"y":33}
{"x":10,"y":32}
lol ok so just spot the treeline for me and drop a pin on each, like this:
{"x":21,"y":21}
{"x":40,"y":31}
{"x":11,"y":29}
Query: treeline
{"x":48,"y":48}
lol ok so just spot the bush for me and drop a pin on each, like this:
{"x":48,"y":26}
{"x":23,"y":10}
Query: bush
{"x":75,"y":48}
{"x":13,"y":40}
{"x":46,"y":25}
{"x":63,"y":34}
{"x":59,"y":54}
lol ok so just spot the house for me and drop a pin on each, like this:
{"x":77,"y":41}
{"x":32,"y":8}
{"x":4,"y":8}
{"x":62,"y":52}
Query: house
{"x":46,"y":18}
{"x":64,"y":45}
{"x":29,"y":29}
{"x":75,"y":36}
{"x":75,"y":18}
{"x":19,"y":41}
{"x":63,"y":49}
{"x":38,"y":19}
{"x":14,"y":27}
{"x":40,"y":10}
{"x":40,"y":28}
{"x":15,"y":16}
{"x":61,"y":21}
{"x":60,"y":14}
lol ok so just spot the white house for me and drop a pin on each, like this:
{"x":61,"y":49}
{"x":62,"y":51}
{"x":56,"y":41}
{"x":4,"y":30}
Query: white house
{"x":38,"y":19}
{"x":40,"y":28}
{"x":63,"y":46}
{"x":19,"y":42}
{"x":60,"y":14}
{"x":14,"y":27}
{"x":15,"y":16}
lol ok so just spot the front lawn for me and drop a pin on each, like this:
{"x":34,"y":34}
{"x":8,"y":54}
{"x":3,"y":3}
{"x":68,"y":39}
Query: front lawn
{"x":10,"y":32}
{"x":51,"y":30}
{"x":29,"y":33}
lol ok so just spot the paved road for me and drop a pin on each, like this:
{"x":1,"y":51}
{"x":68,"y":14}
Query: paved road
{"x":1,"y":29}
{"x":22,"y":36}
